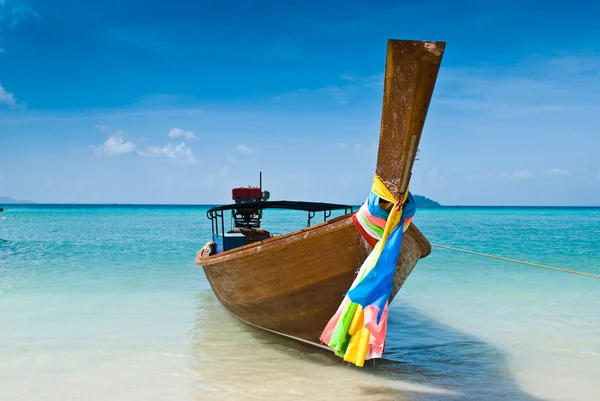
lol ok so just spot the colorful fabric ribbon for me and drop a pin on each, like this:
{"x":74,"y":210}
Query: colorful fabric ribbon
{"x":357,"y":330}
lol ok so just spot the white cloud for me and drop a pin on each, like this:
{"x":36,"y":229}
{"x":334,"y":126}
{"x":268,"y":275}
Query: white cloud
{"x":16,"y":13}
{"x":558,"y":172}
{"x":369,"y":147}
{"x":12,"y":14}
{"x":521,"y":174}
{"x":515,"y":175}
{"x":178,"y":132}
{"x":342,"y":145}
{"x":245,"y":149}
{"x":179,"y":153}
{"x":115,"y":145}
{"x":6,"y":97}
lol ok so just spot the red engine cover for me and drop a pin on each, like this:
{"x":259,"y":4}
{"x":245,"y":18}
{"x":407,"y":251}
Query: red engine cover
{"x":245,"y":193}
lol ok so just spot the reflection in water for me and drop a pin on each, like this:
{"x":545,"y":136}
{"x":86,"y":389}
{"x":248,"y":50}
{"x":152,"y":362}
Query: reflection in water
{"x":424,"y":360}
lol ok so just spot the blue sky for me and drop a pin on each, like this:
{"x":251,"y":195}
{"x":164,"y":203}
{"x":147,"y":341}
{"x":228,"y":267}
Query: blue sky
{"x":116,"y":102}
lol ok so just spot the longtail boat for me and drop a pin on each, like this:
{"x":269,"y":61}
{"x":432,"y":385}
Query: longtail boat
{"x":293,"y":284}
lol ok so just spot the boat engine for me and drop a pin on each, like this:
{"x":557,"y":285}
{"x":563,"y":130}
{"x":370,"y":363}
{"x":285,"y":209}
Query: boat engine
{"x":248,"y":215}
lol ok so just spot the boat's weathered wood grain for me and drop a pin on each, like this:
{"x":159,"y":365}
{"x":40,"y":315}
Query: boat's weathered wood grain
{"x":279,"y":263}
{"x":410,"y":74}
{"x":293,"y":284}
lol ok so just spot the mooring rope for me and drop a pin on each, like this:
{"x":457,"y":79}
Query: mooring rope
{"x":515,"y":261}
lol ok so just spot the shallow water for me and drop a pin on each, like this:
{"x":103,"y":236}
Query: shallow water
{"x":102,"y":303}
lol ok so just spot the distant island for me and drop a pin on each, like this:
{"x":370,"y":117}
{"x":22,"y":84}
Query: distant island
{"x":6,"y":199}
{"x":423,"y":201}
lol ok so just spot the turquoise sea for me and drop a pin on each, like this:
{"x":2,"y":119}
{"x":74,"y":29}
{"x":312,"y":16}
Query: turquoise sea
{"x":106,"y":303}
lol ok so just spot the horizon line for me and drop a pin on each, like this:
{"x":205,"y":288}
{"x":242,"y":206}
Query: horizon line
{"x":26,"y":203}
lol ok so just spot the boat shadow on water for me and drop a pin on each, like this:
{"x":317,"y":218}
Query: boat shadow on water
{"x":423,"y":360}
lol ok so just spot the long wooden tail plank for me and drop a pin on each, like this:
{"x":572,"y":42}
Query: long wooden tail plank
{"x":410,"y":74}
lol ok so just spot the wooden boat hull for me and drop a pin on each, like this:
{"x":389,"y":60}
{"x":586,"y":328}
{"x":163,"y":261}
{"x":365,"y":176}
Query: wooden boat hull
{"x":294,"y":283}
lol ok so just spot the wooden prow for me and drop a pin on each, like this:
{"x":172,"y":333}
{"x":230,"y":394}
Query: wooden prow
{"x":408,"y":87}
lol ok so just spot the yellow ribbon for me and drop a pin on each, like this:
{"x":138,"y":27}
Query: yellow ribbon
{"x":381,"y":190}
{"x":358,"y":346}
